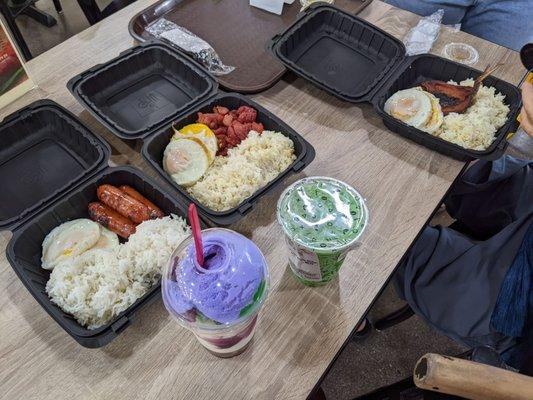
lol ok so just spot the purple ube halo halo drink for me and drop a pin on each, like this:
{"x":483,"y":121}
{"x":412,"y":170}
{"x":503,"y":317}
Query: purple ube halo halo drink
{"x":219,"y":301}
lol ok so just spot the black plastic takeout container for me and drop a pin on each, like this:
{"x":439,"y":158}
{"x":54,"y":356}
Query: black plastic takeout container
{"x":142,"y":90}
{"x":154,"y":146}
{"x":426,"y":67}
{"x":139,"y":79}
{"x":48,"y":156}
{"x":358,"y":62}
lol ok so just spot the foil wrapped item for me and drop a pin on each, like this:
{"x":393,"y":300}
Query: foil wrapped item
{"x":187,"y":41}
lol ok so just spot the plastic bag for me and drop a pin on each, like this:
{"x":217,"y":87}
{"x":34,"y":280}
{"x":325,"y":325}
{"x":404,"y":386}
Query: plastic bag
{"x":191,"y":44}
{"x":420,"y":38}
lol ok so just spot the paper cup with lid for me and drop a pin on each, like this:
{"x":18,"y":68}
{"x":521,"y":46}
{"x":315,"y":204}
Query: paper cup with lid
{"x":323,"y":219}
{"x":220,"y":300}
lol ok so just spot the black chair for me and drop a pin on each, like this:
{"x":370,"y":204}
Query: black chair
{"x":27,"y":7}
{"x":11,"y":9}
{"x":94,"y":14}
{"x":394,"y":318}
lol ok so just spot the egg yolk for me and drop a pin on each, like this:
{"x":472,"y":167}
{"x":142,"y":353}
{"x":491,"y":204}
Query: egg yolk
{"x":67,"y":252}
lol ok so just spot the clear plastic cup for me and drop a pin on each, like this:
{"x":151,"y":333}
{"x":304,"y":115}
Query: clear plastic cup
{"x":323,"y":219}
{"x":219,"y":301}
{"x":461,"y":52}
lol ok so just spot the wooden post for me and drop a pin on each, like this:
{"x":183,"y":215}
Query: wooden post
{"x":470,"y":379}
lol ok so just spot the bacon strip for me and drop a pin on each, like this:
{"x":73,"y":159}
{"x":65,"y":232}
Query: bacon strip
{"x":456,"y":98}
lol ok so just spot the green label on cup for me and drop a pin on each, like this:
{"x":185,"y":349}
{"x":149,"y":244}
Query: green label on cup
{"x":311,"y":267}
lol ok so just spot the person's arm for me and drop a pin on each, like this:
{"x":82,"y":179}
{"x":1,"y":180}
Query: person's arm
{"x":527,"y":109}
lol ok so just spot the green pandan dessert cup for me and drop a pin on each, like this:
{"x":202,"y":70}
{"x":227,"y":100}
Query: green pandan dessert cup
{"x":323,"y":219}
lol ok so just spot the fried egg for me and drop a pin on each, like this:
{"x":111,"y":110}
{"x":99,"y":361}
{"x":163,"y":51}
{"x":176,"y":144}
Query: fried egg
{"x":108,"y":240}
{"x":200,"y":133}
{"x":186,"y":161}
{"x":68,"y":240}
{"x":411,"y":106}
{"x":437,"y":117}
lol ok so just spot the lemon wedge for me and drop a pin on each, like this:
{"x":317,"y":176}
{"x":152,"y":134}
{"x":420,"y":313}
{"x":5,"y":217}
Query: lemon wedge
{"x":185,"y":160}
{"x":202,"y":134}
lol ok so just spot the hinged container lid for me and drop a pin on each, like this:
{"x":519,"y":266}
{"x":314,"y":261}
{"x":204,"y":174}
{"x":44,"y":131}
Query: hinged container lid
{"x":339,"y":52}
{"x":45,"y":151}
{"x":143,"y":89}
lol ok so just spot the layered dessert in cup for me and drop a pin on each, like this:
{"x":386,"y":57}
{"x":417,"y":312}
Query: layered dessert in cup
{"x":218,"y":301}
{"x":323,"y":219}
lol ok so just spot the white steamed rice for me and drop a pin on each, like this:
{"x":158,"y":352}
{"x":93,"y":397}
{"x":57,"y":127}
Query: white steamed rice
{"x":251,"y":165}
{"x":475,"y":129}
{"x":99,"y":284}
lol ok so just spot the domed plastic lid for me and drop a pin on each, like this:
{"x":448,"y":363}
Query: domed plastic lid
{"x":322,"y":213}
{"x":229,"y":288}
{"x":461,"y":52}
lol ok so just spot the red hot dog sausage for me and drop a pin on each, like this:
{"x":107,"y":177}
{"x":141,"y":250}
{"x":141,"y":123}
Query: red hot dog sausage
{"x":111,"y":219}
{"x":155,"y":212}
{"x":125,"y":205}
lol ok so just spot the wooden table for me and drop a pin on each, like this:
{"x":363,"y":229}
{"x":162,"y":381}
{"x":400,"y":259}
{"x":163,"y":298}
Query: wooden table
{"x":301,"y":329}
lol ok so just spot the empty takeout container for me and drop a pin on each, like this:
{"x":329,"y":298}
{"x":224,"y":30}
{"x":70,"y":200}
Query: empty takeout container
{"x":139,"y":94}
{"x":142,"y":90}
{"x":51,"y":165}
{"x":358,"y":62}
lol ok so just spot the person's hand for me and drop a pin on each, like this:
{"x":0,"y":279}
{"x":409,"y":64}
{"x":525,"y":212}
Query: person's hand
{"x":527,"y":108}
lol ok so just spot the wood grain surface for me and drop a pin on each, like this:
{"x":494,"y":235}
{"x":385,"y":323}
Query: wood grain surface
{"x":300,"y":329}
